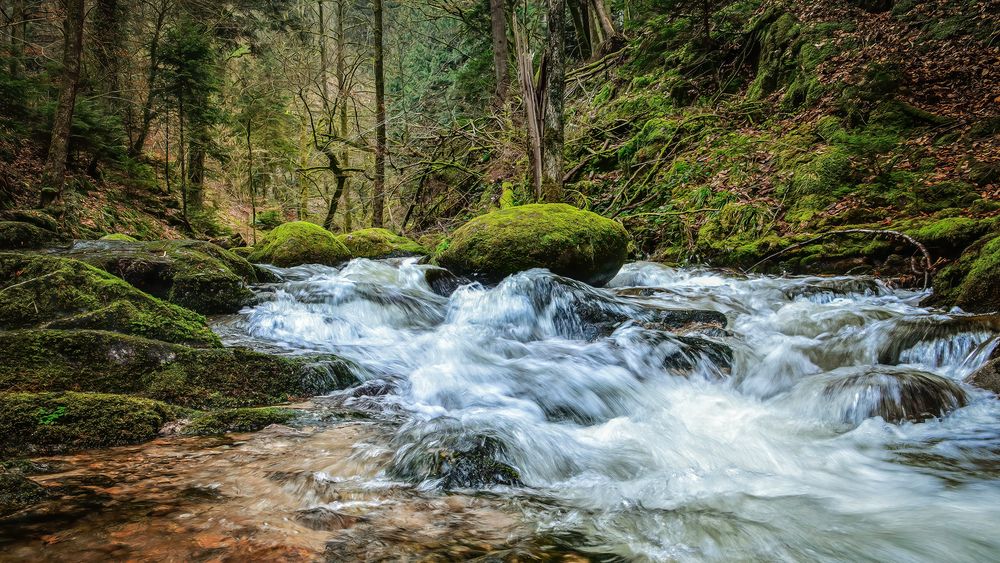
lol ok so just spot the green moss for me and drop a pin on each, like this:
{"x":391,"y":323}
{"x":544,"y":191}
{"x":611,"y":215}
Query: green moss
{"x":98,"y":361}
{"x":18,"y":235}
{"x":300,"y":242}
{"x":242,"y":251}
{"x":951,"y":234}
{"x":119,"y":237}
{"x":198,"y":275}
{"x":238,"y":420}
{"x":37,"y":218}
{"x":379,"y":243}
{"x":47,"y":291}
{"x":980,"y":290}
{"x":84,"y":420}
{"x":566,"y":240}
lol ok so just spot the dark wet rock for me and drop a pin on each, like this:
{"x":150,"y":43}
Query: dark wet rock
{"x":988,"y":376}
{"x":475,"y":467}
{"x":194,"y":274}
{"x":914,"y":330}
{"x":565,"y":240}
{"x":838,"y":287}
{"x":443,"y":282}
{"x":323,"y":518}
{"x":896,"y":395}
{"x":17,"y":235}
{"x":601,"y":320}
{"x":106,"y":362}
{"x":17,"y":493}
{"x":39,"y":291}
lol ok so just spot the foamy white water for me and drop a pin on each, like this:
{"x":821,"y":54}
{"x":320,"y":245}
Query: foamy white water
{"x":638,"y":443}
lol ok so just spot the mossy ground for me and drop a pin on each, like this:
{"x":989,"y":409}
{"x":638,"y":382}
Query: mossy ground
{"x":15,"y":235}
{"x":119,"y":237}
{"x":47,"y":291}
{"x":299,"y":242}
{"x":379,"y":243}
{"x":566,"y":240}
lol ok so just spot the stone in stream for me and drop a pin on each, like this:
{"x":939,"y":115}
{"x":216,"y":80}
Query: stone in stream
{"x":194,"y":274}
{"x":475,"y":467}
{"x":297,"y":243}
{"x":17,"y":492}
{"x":854,"y":394}
{"x":379,"y":243}
{"x":988,"y":376}
{"x":39,"y":291}
{"x":567,"y":241}
{"x":911,"y":331}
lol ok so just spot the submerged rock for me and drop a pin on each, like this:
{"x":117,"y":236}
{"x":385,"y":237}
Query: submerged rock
{"x":107,"y":362}
{"x":299,"y":242}
{"x":194,"y":274}
{"x":237,"y":420}
{"x":38,"y":291}
{"x":380,"y":243}
{"x":854,"y":394}
{"x":568,"y":241}
{"x":17,"y":492}
{"x":45,"y":423}
{"x":475,"y":467}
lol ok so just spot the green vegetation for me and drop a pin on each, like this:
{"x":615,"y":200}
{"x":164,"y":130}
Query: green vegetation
{"x":18,"y":235}
{"x":238,"y":420}
{"x":568,"y":241}
{"x":300,"y":242}
{"x":119,"y":237}
{"x":17,"y":492}
{"x":46,"y":291}
{"x":30,"y":426}
{"x":106,"y":362}
{"x":379,"y":243}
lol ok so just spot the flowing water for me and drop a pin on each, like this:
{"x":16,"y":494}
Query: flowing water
{"x":633,"y":437}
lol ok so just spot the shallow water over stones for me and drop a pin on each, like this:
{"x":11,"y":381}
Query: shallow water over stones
{"x":542,"y":419}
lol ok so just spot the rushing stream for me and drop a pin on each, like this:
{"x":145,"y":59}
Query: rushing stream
{"x":632,"y":436}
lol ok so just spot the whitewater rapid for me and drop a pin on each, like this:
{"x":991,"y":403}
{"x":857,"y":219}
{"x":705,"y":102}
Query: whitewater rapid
{"x":637,"y":443}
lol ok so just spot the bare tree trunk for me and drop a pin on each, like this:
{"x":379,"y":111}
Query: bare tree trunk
{"x":579,"y":9}
{"x":180,"y":157}
{"x":501,"y":55}
{"x":554,"y":91}
{"x":378,"y":189}
{"x":18,"y":22}
{"x":135,"y":149}
{"x":197,"y":143}
{"x":54,"y":173}
{"x":532,"y":107}
{"x":342,"y":94}
{"x":607,"y":26}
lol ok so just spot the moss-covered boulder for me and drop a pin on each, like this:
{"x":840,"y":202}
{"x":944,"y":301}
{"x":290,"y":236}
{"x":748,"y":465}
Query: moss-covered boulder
{"x":119,"y":237}
{"x":17,"y":492}
{"x":568,"y":241}
{"x":33,"y":216}
{"x":238,"y":420}
{"x":299,"y":242}
{"x":380,"y":243}
{"x":106,"y":362}
{"x":242,"y":251}
{"x":973,"y":281}
{"x":16,"y":235}
{"x":46,"y":423}
{"x":194,"y":274}
{"x":39,"y":291}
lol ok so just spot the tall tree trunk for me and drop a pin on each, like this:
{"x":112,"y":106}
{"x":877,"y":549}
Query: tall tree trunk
{"x":18,"y":20}
{"x":180,"y":158}
{"x":252,"y":189}
{"x":501,"y":55}
{"x":198,"y":140}
{"x":106,"y":45}
{"x":555,"y":88}
{"x":378,"y":189}
{"x":532,"y":106}
{"x":135,"y":149}
{"x":604,"y":19}
{"x":580,"y":10}
{"x":342,"y":94}
{"x":54,"y":173}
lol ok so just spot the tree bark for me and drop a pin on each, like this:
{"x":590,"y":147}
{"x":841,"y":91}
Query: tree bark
{"x":555,"y":87}
{"x":532,"y":106}
{"x":54,"y":172}
{"x":18,"y":19}
{"x":342,"y":94}
{"x":378,"y":189}
{"x":579,"y":9}
{"x":604,"y":19}
{"x":501,"y":55}
{"x":135,"y":149}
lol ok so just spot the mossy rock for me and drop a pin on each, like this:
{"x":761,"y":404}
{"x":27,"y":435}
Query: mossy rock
{"x":242,"y":251}
{"x":47,"y":423}
{"x":568,"y":241}
{"x":195,"y":274}
{"x":39,"y":291}
{"x":17,"y":492}
{"x":238,"y":420}
{"x":107,"y":362}
{"x":980,"y":291}
{"x":119,"y":237}
{"x":35,"y":217}
{"x":380,"y":243}
{"x":949,"y":236}
{"x":299,"y":242}
{"x":16,"y":235}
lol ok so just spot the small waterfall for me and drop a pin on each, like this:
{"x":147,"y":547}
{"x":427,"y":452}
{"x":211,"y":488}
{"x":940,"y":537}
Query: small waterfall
{"x":678,"y":414}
